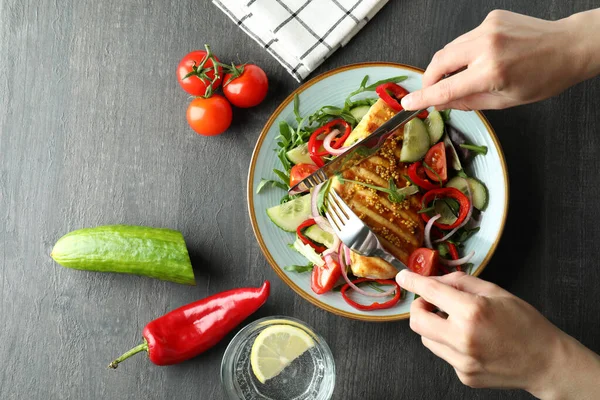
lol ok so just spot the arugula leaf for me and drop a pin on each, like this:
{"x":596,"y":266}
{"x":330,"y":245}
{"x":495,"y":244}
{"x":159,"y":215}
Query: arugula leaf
{"x":364,"y":88}
{"x":273,"y":183}
{"x":287,"y":198}
{"x":477,"y":149}
{"x":443,"y":250}
{"x":433,"y":171}
{"x":395,"y":195}
{"x":321,"y":196}
{"x":462,"y":235}
{"x":395,"y":79}
{"x":416,"y":296}
{"x":446,"y":115}
{"x":452,"y":205}
{"x":282,"y":175}
{"x":300,"y":268}
{"x":426,"y":210}
{"x":297,"y":108}
{"x":468,"y":267}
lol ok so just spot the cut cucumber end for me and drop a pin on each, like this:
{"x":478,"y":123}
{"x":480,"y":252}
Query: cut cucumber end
{"x":359,"y":112}
{"x":416,"y":141}
{"x":318,"y":235}
{"x":435,"y":126}
{"x":299,"y":155}
{"x":479,"y":192}
{"x":288,"y":216}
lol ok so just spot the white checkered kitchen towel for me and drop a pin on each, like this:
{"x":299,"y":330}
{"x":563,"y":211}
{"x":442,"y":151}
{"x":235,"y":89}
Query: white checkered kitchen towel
{"x":301,"y":34}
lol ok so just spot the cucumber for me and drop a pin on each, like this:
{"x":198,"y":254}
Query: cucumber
{"x":359,"y":112}
{"x":299,"y":155}
{"x":308,"y":252}
{"x":479,"y":191}
{"x":416,"y":141}
{"x":435,"y":126}
{"x":288,"y":216}
{"x":155,"y":252}
{"x":318,"y":235}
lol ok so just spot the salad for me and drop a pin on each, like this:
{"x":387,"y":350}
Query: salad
{"x":431,"y":201}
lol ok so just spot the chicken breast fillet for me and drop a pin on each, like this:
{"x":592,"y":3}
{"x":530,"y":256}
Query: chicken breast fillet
{"x":398,"y":225}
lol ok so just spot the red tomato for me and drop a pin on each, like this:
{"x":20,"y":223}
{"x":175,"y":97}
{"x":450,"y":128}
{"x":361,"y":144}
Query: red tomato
{"x":197,"y":83}
{"x":247,"y":88}
{"x":301,"y":171}
{"x":209,"y":116}
{"x":323,"y":278}
{"x":424,"y":261}
{"x":436,"y":159}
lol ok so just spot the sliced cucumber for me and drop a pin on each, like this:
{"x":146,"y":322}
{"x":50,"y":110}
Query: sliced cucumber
{"x":308,"y":252}
{"x":479,"y":191}
{"x":451,"y":154}
{"x":359,"y":112}
{"x":416,"y":141}
{"x":299,"y":155}
{"x":288,"y":216}
{"x":435,"y":126}
{"x":318,"y":235}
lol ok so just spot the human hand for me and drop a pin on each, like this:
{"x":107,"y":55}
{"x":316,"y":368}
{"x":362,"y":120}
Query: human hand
{"x":494,"y":339}
{"x":511,"y":59}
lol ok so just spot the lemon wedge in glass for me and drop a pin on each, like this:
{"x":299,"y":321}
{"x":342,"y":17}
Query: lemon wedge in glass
{"x":275,"y":348}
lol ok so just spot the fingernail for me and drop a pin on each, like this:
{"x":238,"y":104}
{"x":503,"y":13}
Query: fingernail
{"x":401,"y":277}
{"x":407,"y":102}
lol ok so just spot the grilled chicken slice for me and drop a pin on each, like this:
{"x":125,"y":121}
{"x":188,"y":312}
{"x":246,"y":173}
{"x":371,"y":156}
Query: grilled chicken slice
{"x":398,"y":225}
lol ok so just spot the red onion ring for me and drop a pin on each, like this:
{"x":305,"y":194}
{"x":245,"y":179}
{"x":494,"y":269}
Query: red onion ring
{"x":427,"y":234}
{"x":453,"y":231}
{"x":314,"y":210}
{"x":460,"y":261}
{"x":327,"y":143}
{"x":352,"y":285}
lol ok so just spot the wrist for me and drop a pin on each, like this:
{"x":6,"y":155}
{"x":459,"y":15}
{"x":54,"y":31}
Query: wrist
{"x":570,"y":371}
{"x":583,"y":31}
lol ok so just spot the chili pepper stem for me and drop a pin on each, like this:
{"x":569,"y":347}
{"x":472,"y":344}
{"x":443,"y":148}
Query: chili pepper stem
{"x":135,"y":350}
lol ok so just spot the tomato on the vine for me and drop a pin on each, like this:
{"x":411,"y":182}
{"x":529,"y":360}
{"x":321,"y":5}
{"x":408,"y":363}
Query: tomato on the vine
{"x":209,"y":116}
{"x":196,"y":71}
{"x":246,"y":85}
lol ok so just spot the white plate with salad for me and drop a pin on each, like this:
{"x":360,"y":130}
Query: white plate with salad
{"x":440,"y":205}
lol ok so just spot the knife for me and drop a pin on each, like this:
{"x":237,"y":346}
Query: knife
{"x":356,"y":153}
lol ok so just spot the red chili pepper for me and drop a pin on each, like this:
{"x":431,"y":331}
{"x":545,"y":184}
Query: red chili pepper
{"x":391,"y":93}
{"x":304,"y":239}
{"x":416,"y":173}
{"x":315,"y":143}
{"x":194,"y":328}
{"x":463,"y":202}
{"x":423,"y":114}
{"x":453,"y":253}
{"x":375,"y":305}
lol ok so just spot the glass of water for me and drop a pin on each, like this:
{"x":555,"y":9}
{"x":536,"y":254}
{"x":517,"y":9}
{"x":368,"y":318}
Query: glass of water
{"x":310,"y":376}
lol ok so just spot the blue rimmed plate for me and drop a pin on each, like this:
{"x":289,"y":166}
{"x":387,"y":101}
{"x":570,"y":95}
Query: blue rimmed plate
{"x":331,"y":88}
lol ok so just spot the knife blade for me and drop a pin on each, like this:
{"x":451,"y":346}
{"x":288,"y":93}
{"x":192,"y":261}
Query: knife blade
{"x":356,"y":153}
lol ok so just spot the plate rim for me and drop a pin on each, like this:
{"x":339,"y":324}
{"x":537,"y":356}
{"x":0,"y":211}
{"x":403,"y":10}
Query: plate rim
{"x":250,"y":192}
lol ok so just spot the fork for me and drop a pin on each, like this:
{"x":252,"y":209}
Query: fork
{"x":354,"y":233}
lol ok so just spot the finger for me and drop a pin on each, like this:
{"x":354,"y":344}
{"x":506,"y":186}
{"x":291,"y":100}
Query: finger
{"x":448,"y":90}
{"x":445,"y":297}
{"x":468,"y":283}
{"x":472,"y":34}
{"x":448,"y":60}
{"x":479,"y":101}
{"x":427,"y":323}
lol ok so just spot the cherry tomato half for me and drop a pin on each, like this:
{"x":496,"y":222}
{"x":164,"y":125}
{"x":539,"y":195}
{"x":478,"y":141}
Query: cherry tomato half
{"x":301,"y":171}
{"x":424,"y":261}
{"x":436,"y":159}
{"x":323,"y":278}
{"x":249,"y":88}
{"x":197,"y":83}
{"x":209,"y":116}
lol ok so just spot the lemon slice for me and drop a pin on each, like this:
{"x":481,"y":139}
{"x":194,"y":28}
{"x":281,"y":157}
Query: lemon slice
{"x":275,"y":348}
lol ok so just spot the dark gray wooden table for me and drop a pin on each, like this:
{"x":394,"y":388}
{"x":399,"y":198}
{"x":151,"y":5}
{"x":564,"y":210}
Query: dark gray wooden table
{"x":93,"y":131}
